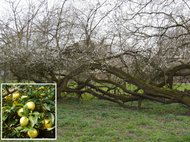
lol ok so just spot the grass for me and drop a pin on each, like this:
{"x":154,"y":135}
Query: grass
{"x":182,"y":87}
{"x":102,"y":121}
{"x":95,"y":120}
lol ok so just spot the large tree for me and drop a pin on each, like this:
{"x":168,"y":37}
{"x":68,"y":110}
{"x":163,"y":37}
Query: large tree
{"x":120,"y":51}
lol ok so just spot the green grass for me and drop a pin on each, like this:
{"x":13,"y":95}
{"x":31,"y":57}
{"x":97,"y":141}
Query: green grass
{"x":95,"y":120}
{"x":103,"y":121}
{"x":182,"y":87}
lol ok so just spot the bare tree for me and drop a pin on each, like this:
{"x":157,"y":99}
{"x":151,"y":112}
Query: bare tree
{"x":120,"y":51}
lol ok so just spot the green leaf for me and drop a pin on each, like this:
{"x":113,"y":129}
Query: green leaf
{"x":53,"y":117}
{"x":5,"y":116}
{"x":25,"y":129}
{"x":33,"y":120}
{"x":47,"y":107}
{"x":19,"y":128}
{"x":26,"y":111}
{"x":36,"y":113}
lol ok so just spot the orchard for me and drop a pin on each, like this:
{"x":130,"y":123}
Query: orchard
{"x":28,"y":111}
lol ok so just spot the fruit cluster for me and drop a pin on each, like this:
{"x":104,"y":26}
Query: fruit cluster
{"x":33,"y":114}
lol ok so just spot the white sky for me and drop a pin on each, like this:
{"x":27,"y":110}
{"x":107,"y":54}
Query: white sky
{"x":4,"y":6}
{"x":143,"y":21}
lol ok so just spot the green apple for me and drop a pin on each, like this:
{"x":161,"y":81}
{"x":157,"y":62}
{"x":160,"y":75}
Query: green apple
{"x":20,"y":112}
{"x":24,"y":121}
{"x":8,"y":98}
{"x":30,"y":105}
{"x":33,"y":133}
{"x":47,"y":123}
{"x":15,"y":95}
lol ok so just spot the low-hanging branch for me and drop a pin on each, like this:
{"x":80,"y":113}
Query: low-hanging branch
{"x":149,"y":91}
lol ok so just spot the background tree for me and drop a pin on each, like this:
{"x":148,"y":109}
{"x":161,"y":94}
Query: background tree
{"x":119,"y":51}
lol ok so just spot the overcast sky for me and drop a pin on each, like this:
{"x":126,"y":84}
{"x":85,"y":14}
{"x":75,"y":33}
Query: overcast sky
{"x":4,"y":6}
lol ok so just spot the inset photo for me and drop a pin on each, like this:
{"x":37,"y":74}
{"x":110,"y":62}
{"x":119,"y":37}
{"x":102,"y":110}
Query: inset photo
{"x":28,"y":111}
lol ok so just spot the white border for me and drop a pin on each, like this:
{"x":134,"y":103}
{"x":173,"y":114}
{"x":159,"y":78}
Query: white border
{"x":55,"y":111}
